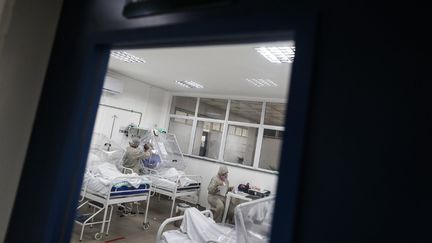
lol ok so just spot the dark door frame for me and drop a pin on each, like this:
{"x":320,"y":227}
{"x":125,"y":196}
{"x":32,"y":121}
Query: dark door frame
{"x":51,"y":179}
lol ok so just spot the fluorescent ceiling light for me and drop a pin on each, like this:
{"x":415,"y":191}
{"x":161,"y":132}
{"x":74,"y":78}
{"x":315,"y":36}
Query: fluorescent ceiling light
{"x":126,"y":57}
{"x":189,"y":84}
{"x":283,"y":54}
{"x":259,"y":82}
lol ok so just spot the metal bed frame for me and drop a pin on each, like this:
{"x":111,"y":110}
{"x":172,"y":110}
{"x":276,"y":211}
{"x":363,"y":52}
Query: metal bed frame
{"x":173,"y":219}
{"x":174,"y":193}
{"x":106,"y":202}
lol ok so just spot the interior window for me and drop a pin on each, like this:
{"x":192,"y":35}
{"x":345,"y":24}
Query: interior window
{"x":183,"y":105}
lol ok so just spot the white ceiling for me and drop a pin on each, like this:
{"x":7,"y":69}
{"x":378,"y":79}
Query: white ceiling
{"x":222,"y":70}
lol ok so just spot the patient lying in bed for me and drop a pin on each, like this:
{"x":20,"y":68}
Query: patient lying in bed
{"x":101,"y":177}
{"x":168,"y":177}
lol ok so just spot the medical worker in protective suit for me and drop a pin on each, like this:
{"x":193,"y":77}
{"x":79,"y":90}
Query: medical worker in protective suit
{"x":134,"y":155}
{"x":217,"y":190}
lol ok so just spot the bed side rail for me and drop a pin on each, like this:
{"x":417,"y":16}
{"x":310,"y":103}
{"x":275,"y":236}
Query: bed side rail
{"x":126,"y":170}
{"x":173,"y":219}
{"x":197,"y":178}
{"x":149,"y":171}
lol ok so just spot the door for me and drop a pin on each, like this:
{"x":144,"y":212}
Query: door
{"x":55,"y":161}
{"x":204,"y":142}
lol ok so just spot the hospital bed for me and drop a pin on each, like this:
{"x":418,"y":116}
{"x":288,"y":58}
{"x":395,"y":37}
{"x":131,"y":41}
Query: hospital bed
{"x":166,"y":168}
{"x":102,"y":196}
{"x":175,"y":184}
{"x":252,"y":225}
{"x":105,"y":186}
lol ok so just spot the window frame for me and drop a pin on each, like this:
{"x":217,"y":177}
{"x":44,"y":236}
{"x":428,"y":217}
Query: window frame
{"x":81,"y":80}
{"x":225,"y":122}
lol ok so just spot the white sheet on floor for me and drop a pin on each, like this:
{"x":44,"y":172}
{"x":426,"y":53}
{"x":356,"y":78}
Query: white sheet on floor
{"x":200,"y":228}
{"x":102,"y":177}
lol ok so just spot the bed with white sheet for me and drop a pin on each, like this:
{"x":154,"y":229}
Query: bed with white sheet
{"x":252,"y":225}
{"x":174,"y":184}
{"x":165,"y":168}
{"x":196,"y":227}
{"x":106,"y":181}
{"x":104,"y":186}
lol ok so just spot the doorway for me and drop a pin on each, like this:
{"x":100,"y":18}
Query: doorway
{"x":81,"y":85}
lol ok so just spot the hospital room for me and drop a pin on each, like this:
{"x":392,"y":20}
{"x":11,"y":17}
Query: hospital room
{"x":186,"y":145}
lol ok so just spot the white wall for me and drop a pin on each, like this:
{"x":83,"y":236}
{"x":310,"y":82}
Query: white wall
{"x":27,"y":30}
{"x":236,"y":176}
{"x":153,"y":102}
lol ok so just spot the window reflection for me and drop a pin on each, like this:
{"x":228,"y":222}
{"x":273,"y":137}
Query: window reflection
{"x":245,"y":111}
{"x":184,"y":106}
{"x":275,"y":114}
{"x":240,"y":144}
{"x":271,"y":149}
{"x":212,"y":108}
{"x":182,"y":128}
{"x":207,"y":141}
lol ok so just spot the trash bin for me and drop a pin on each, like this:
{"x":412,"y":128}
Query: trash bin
{"x":180,"y":209}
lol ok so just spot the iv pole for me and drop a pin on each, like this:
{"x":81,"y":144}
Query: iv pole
{"x":112,"y":128}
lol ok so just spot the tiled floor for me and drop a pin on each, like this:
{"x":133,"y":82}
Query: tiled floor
{"x":129,"y":229}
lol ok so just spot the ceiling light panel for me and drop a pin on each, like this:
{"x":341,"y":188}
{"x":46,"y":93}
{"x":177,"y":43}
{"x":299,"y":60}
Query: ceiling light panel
{"x":259,"y":82}
{"x":283,"y":54}
{"x":126,"y":57}
{"x":189,"y":84}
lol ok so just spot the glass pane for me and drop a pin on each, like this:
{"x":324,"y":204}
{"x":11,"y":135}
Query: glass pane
{"x":207,"y":141}
{"x":245,"y":111}
{"x":212,"y":108}
{"x":240,"y":145}
{"x":182,"y":128}
{"x":275,"y":114}
{"x":184,"y":106}
{"x":271,"y":150}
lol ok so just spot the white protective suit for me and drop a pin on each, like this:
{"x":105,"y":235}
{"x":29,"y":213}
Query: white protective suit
{"x":217,"y":190}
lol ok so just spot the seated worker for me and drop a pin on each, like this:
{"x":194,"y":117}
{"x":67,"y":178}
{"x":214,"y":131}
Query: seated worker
{"x":217,"y":189}
{"x":133,"y":155}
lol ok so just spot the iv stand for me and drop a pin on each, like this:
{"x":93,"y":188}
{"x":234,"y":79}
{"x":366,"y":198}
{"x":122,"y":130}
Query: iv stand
{"x":112,"y":128}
